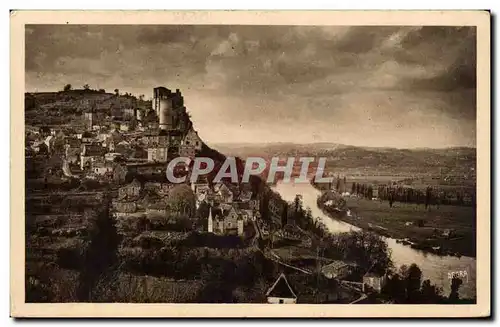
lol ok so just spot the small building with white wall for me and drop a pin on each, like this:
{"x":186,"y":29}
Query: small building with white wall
{"x":281,"y":292}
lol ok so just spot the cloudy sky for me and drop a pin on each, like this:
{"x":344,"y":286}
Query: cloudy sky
{"x":374,"y":86}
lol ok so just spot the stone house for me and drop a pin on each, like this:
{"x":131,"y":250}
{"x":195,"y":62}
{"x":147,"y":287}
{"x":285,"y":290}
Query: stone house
{"x":72,"y":142}
{"x":156,"y":209}
{"x":112,"y":139}
{"x":337,"y":270}
{"x":130,"y":191}
{"x":254,"y":204}
{"x":124,"y":207}
{"x":154,"y":139}
{"x":228,"y":222}
{"x":374,"y":282}
{"x":175,"y":138}
{"x":72,"y":149}
{"x":158,"y":153}
{"x":245,"y":196}
{"x":91,"y":153}
{"x":147,"y":168}
{"x":120,"y":173}
{"x":187,"y":151}
{"x":112,"y":156}
{"x":102,"y":168}
{"x":87,"y":137}
{"x":128,"y":113}
{"x":161,"y":189}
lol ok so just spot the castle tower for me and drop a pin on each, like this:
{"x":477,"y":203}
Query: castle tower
{"x":210,"y":221}
{"x":162,"y":104}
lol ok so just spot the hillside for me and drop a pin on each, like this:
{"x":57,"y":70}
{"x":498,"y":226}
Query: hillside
{"x":67,"y":107}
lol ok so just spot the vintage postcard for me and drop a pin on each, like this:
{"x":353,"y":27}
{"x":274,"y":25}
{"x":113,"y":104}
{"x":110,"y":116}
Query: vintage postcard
{"x":219,"y":164}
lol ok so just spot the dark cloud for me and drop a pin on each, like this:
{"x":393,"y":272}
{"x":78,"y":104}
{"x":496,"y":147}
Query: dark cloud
{"x":361,"y":39}
{"x":458,"y":50}
{"x":162,"y":34}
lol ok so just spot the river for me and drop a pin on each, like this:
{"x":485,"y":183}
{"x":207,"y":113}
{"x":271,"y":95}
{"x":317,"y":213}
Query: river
{"x":434,"y":267}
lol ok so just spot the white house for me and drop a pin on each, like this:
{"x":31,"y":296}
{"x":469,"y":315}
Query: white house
{"x":210,"y":221}
{"x":281,"y":292}
{"x":374,"y":282}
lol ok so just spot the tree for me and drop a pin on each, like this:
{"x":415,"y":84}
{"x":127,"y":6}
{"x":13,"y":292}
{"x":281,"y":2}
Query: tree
{"x":369,"y":250}
{"x":67,"y":87}
{"x":182,"y":200}
{"x":396,"y":288}
{"x":428,"y":196}
{"x":413,"y":282}
{"x":404,"y":287}
{"x":102,"y":91}
{"x":284,"y":215}
{"x":86,"y":87}
{"x":141,"y":97}
{"x":430,"y":293}
{"x":117,"y":92}
{"x":298,"y":203}
{"x":455,"y":286}
{"x":353,"y":188}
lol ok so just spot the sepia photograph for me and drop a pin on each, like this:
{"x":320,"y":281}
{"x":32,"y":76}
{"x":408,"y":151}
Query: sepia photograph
{"x":251,"y":158}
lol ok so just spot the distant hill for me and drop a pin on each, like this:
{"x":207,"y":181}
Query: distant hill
{"x":452,"y":161}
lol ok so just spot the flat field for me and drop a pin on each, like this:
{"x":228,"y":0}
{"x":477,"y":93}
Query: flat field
{"x":448,"y":229}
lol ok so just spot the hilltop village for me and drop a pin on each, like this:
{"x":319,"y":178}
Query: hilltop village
{"x":104,"y":224}
{"x":128,"y":148}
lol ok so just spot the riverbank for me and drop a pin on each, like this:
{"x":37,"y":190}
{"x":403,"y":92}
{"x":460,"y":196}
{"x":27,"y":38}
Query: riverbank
{"x":444,"y":230}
